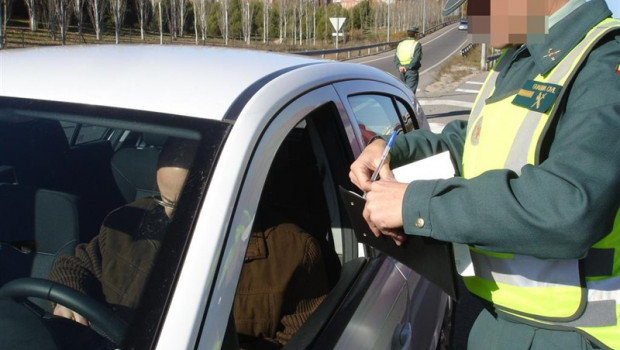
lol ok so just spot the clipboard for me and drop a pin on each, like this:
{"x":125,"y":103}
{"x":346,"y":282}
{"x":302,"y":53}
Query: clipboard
{"x":429,"y":257}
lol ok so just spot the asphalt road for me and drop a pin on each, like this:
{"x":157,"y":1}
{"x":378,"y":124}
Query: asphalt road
{"x":440,"y":108}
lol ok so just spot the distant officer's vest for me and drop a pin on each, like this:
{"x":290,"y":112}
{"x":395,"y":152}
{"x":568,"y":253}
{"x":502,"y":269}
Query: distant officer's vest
{"x":581,"y":295}
{"x":405,"y":51}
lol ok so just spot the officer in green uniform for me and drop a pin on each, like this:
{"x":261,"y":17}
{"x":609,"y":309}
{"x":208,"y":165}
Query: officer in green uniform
{"x":408,"y":59}
{"x":537,"y":196}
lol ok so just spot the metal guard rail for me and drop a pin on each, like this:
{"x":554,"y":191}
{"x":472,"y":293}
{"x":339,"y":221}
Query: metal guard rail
{"x":369,"y":47}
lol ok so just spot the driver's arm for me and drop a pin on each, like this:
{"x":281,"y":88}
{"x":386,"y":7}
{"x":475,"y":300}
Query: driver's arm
{"x":82,"y":271}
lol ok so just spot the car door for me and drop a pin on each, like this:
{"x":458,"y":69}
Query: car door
{"x":297,"y":165}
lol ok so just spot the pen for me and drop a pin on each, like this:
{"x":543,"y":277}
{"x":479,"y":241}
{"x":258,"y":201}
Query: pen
{"x":386,"y":151}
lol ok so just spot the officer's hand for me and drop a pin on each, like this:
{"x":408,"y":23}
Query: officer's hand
{"x":383,"y":210}
{"x":367,"y":162}
{"x":402,"y":69}
{"x":62,"y":311}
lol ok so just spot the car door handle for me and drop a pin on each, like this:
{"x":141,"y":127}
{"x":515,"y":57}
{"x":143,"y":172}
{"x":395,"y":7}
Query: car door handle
{"x":402,"y":336}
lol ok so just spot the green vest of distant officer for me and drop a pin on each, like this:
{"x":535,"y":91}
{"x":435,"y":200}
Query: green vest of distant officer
{"x":408,"y":59}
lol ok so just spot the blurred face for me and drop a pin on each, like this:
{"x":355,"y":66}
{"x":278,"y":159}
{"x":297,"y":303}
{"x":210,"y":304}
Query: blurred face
{"x":509,"y":22}
{"x":170,"y":181}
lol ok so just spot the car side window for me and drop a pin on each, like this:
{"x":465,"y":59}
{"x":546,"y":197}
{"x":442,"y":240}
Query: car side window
{"x":407,"y":117}
{"x":291,"y":263}
{"x":78,"y":133}
{"x":375,"y":114}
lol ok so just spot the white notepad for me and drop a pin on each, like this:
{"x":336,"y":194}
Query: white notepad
{"x":438,"y":166}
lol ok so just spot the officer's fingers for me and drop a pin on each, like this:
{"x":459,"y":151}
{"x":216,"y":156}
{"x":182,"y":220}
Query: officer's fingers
{"x":360,"y":175}
{"x":386,"y":173}
{"x":375,"y":230}
{"x":398,"y":237}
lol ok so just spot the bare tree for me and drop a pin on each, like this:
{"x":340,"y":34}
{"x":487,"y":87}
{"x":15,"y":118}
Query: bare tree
{"x":2,"y":27}
{"x":117,"y":10}
{"x":177,"y":13}
{"x":247,"y":14}
{"x":142,"y":10}
{"x":182,"y":14}
{"x":49,"y":18}
{"x":97,"y":12}
{"x":283,"y":20}
{"x":301,"y":27}
{"x":59,"y":12}
{"x":314,"y":4}
{"x":78,"y":10}
{"x":201,"y":15}
{"x":265,"y":21}
{"x":224,"y":21}
{"x":158,"y":8}
{"x":32,"y":13}
{"x":5,"y":15}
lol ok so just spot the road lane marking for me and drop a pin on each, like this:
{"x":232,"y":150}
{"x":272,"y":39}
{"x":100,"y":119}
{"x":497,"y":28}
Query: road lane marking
{"x":469,"y":91}
{"x":445,"y":59}
{"x":391,"y":55}
{"x":454,"y":103}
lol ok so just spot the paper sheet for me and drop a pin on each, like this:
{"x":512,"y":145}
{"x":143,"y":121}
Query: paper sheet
{"x":438,"y":166}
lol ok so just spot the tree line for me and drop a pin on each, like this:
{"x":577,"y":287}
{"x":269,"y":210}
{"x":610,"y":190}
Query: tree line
{"x":296,"y":22}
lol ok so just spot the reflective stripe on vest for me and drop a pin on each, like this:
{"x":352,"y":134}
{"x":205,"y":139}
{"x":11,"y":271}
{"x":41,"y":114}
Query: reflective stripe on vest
{"x":405,"y":51}
{"x":581,"y":295}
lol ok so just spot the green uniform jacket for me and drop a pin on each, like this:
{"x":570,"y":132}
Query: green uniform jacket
{"x":557,"y":209}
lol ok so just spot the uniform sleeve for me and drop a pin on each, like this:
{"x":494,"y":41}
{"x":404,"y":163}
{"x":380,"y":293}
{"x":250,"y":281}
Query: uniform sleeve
{"x":417,"y":57}
{"x":557,"y":209}
{"x":396,"y":61}
{"x":82,"y":271}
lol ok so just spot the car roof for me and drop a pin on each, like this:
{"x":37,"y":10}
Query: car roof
{"x":193,"y":81}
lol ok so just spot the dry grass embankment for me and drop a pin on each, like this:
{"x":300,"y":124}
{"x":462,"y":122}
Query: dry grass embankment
{"x":457,"y":69}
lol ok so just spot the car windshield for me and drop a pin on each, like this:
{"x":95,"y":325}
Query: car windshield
{"x":71,"y":174}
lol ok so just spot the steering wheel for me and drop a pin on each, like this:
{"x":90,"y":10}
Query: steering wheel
{"x":102,"y":319}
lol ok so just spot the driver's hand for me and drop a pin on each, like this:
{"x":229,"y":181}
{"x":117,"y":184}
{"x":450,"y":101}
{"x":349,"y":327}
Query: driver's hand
{"x":62,"y":311}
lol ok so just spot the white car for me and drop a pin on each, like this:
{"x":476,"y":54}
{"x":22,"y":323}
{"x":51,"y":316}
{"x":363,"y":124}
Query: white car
{"x":80,"y":132}
{"x":463,"y":24}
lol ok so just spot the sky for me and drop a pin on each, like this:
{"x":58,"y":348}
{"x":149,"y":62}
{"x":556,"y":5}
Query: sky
{"x":614,"y":6}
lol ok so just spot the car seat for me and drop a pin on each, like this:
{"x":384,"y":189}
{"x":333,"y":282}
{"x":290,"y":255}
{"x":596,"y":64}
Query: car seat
{"x":37,"y":150}
{"x":294,"y":190}
{"x":36,"y":226}
{"x":134,"y":167}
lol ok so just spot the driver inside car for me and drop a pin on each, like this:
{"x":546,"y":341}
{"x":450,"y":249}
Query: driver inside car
{"x":282,"y":282}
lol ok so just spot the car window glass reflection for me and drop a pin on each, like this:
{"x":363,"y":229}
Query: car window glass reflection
{"x":375,"y":115}
{"x":85,"y":217}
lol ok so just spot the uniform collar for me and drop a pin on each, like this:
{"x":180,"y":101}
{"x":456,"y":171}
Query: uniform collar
{"x":566,"y":34}
{"x":564,"y":11}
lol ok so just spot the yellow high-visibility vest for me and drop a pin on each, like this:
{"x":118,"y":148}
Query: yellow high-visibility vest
{"x":405,"y":51}
{"x":551,"y":293}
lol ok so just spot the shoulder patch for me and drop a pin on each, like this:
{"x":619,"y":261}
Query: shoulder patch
{"x":537,"y":96}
